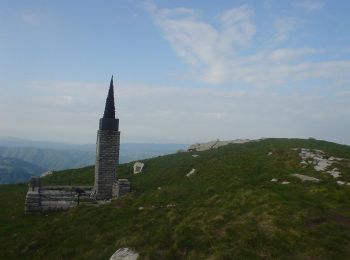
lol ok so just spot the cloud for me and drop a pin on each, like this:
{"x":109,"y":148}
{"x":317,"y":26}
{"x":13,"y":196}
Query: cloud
{"x":284,"y":27}
{"x":309,"y":5}
{"x":174,"y":114}
{"x":31,"y":17}
{"x":227,"y":52}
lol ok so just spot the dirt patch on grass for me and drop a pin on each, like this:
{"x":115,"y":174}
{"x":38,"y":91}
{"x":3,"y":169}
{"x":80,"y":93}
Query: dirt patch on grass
{"x":333,"y":217}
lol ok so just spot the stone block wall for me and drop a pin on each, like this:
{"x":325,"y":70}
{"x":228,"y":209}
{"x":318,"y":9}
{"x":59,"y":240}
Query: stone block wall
{"x":53,"y":198}
{"x":123,"y":187}
{"x":107,"y":159}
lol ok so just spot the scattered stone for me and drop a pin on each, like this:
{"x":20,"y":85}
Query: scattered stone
{"x":141,"y":208}
{"x":334,"y":172}
{"x":159,"y":188}
{"x":138,"y":167}
{"x":305,"y":178}
{"x":285,"y":182}
{"x":269,"y":154}
{"x":195,"y":155}
{"x":274,"y":180}
{"x":124,"y":254}
{"x":340,"y":182}
{"x":321,"y":164}
{"x":319,"y":160}
{"x":170,"y":205}
{"x":191,"y":172}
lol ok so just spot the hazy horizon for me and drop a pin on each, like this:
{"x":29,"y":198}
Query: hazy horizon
{"x":185,"y":71}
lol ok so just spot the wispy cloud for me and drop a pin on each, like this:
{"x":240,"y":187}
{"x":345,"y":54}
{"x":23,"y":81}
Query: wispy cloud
{"x":309,"y":5}
{"x":284,"y":27}
{"x":222,"y":53}
{"x":31,"y":17}
{"x":154,"y":113}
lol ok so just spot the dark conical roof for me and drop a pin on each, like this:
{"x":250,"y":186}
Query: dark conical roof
{"x":110,"y":108}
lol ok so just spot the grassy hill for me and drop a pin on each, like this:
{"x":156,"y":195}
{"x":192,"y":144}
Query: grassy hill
{"x":14,"y":170}
{"x":229,"y":209}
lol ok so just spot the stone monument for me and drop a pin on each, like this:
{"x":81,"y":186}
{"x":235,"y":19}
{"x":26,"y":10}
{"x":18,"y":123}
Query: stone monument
{"x":107,"y":151}
{"x":58,"y":198}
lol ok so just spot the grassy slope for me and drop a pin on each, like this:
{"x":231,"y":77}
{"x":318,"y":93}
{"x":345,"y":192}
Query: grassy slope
{"x":229,"y":209}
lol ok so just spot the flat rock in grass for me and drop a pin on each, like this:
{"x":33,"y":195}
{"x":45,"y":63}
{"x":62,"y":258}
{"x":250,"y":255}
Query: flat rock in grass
{"x":285,"y":182}
{"x":334,"y":172}
{"x":340,"y":182}
{"x":305,"y":178}
{"x":191,"y":173}
{"x":124,"y":254}
{"x":138,"y":167}
{"x":274,"y":180}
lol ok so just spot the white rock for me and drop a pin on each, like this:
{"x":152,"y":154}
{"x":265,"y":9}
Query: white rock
{"x":334,"y":172}
{"x":138,"y":167}
{"x":274,"y":180}
{"x":195,"y":155}
{"x":141,"y":208}
{"x":322,"y":164}
{"x":285,"y":182}
{"x":124,"y":254}
{"x":305,"y":178}
{"x":159,"y":188}
{"x":269,"y":154}
{"x":191,"y":172}
{"x":340,"y":182}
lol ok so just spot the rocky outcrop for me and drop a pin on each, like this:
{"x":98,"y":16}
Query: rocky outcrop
{"x":215,"y":144}
{"x":124,"y":254}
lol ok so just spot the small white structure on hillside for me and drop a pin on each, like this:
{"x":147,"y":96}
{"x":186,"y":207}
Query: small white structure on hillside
{"x":138,"y":167}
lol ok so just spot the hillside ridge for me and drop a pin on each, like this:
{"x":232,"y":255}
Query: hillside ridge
{"x":229,"y":208}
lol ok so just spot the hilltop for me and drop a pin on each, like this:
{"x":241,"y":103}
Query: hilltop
{"x":240,"y":202}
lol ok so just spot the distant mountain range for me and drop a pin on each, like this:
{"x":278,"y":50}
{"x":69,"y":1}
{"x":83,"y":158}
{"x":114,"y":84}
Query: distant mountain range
{"x":41,"y":156}
{"x":14,"y":170}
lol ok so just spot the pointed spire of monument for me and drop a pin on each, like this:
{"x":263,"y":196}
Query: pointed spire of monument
{"x":110,"y":108}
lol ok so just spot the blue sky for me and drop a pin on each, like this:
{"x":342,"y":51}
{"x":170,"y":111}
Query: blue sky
{"x":186,"y":71}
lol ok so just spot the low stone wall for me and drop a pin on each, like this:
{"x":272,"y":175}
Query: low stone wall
{"x":59,"y":198}
{"x":53,"y":198}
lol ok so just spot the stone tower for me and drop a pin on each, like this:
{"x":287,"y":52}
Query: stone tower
{"x":107,"y":151}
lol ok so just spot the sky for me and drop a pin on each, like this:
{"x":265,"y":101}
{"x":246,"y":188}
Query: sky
{"x":185,"y":71}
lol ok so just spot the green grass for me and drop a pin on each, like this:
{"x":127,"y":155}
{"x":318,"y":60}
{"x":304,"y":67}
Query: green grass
{"x":228,"y":210}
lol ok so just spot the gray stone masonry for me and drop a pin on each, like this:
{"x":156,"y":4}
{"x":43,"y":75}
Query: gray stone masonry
{"x":52,"y":198}
{"x":107,"y":159}
{"x":123,"y":187}
{"x":33,"y":201}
